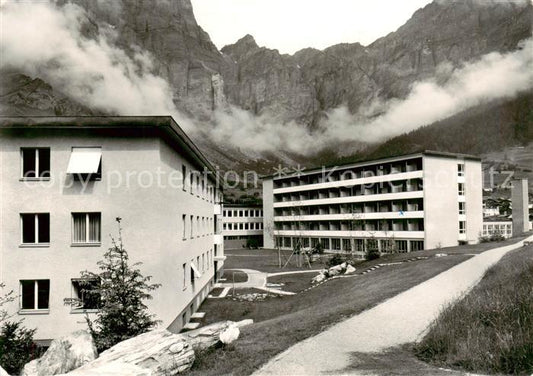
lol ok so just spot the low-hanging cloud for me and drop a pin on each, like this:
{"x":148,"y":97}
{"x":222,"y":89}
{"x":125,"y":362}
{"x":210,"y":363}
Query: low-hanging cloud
{"x":45,"y":40}
{"x":491,"y":77}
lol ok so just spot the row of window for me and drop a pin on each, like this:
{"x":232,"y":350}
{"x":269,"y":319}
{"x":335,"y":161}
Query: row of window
{"x":348,"y":173}
{"x":243,"y":226}
{"x":194,"y":270}
{"x":399,"y":186}
{"x":197,"y":184}
{"x":243,"y":213}
{"x":414,"y":224}
{"x":352,"y":208}
{"x":86,"y":162}
{"x":351,"y":245}
{"x":35,"y":228}
{"x":505,"y":229}
{"x":196,"y":226}
{"x":35,"y":294}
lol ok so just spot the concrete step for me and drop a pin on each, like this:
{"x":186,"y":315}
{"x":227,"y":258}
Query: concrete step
{"x":191,"y":325}
{"x":198,"y":315}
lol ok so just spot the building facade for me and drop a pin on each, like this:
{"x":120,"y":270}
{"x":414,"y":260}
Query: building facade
{"x":242,"y":224}
{"x":497,"y":226}
{"x":405,"y":203}
{"x":63,"y":184}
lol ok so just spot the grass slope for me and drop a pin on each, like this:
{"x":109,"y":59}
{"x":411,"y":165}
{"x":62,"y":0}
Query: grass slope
{"x":491,"y":329}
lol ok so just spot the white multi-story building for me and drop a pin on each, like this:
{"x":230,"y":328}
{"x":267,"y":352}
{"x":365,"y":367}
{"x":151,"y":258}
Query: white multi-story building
{"x":64,"y":181}
{"x":405,"y":203}
{"x":241,"y":224}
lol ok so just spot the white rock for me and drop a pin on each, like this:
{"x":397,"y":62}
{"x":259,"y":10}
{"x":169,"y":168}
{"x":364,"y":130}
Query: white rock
{"x":147,"y":354}
{"x":229,"y":335}
{"x":441,"y":255}
{"x":63,"y":355}
{"x":319,"y":278}
{"x":240,"y":324}
{"x":349,"y":270}
{"x":114,"y":368}
{"x":335,"y":270}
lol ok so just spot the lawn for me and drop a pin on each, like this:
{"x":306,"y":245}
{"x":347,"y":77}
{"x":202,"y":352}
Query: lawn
{"x":266,"y":260}
{"x":283,"y":321}
{"x":491,"y":329}
{"x":280,"y":322}
{"x":235,"y":276}
{"x":293,"y":282}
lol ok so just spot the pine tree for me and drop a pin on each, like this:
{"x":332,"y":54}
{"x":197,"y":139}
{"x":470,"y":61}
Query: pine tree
{"x":121,"y":290}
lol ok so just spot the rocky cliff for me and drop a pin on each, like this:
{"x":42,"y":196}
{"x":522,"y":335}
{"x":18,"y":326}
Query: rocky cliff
{"x":301,"y":87}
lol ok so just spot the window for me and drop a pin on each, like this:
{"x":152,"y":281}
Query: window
{"x":198,"y":226}
{"x":86,"y":228}
{"x":417,"y":245}
{"x":460,"y":169}
{"x":184,"y":225}
{"x":461,"y":189}
{"x":35,"y":228}
{"x":336,"y":244}
{"x":203,"y":262}
{"x":184,"y":270}
{"x":35,"y":163}
{"x":192,"y":220}
{"x":191,"y":182}
{"x":84,"y":294}
{"x":462,"y":227}
{"x":462,"y":208}
{"x":34,"y":294}
{"x":85,"y":163}
{"x":184,"y":176}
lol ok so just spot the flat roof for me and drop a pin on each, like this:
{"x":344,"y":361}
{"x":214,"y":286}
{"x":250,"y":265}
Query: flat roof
{"x":166,"y":124}
{"x":367,"y":162}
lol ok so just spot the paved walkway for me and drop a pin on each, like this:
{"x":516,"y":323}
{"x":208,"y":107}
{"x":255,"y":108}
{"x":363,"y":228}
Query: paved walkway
{"x":401,"y":319}
{"x":258,"y":280}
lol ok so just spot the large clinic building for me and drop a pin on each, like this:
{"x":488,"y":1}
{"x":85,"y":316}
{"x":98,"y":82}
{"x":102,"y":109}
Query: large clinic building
{"x":406,"y":203}
{"x":64,"y":182}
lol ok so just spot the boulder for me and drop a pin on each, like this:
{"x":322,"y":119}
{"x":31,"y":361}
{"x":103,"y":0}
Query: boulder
{"x":229,"y":335}
{"x":114,"y":368}
{"x":63,"y":355}
{"x":319,"y":278}
{"x":349,"y":270}
{"x":156,"y":353}
{"x":3,"y":372}
{"x":335,"y":270}
{"x":208,"y":336}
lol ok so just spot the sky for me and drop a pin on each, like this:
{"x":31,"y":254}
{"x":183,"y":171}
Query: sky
{"x":290,"y":25}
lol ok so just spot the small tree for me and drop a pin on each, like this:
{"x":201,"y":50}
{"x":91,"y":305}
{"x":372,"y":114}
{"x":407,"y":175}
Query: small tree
{"x":16,"y":342}
{"x":121,"y":291}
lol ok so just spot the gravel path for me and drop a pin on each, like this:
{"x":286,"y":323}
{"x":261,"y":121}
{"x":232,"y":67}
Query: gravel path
{"x":401,"y":319}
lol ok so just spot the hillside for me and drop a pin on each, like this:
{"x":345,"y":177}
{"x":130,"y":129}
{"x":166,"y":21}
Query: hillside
{"x":249,"y":107}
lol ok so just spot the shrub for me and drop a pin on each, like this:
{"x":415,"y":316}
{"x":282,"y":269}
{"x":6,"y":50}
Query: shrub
{"x":252,"y":243}
{"x":318,"y":249}
{"x":121,"y":290}
{"x":16,"y":346}
{"x":335,"y":260}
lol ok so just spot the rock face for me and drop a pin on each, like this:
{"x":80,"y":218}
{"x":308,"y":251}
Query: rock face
{"x":305,"y":85}
{"x":158,"y":352}
{"x":63,"y":355}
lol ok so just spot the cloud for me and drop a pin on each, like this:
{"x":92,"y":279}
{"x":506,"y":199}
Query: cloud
{"x":45,"y":40}
{"x":452,"y":90}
